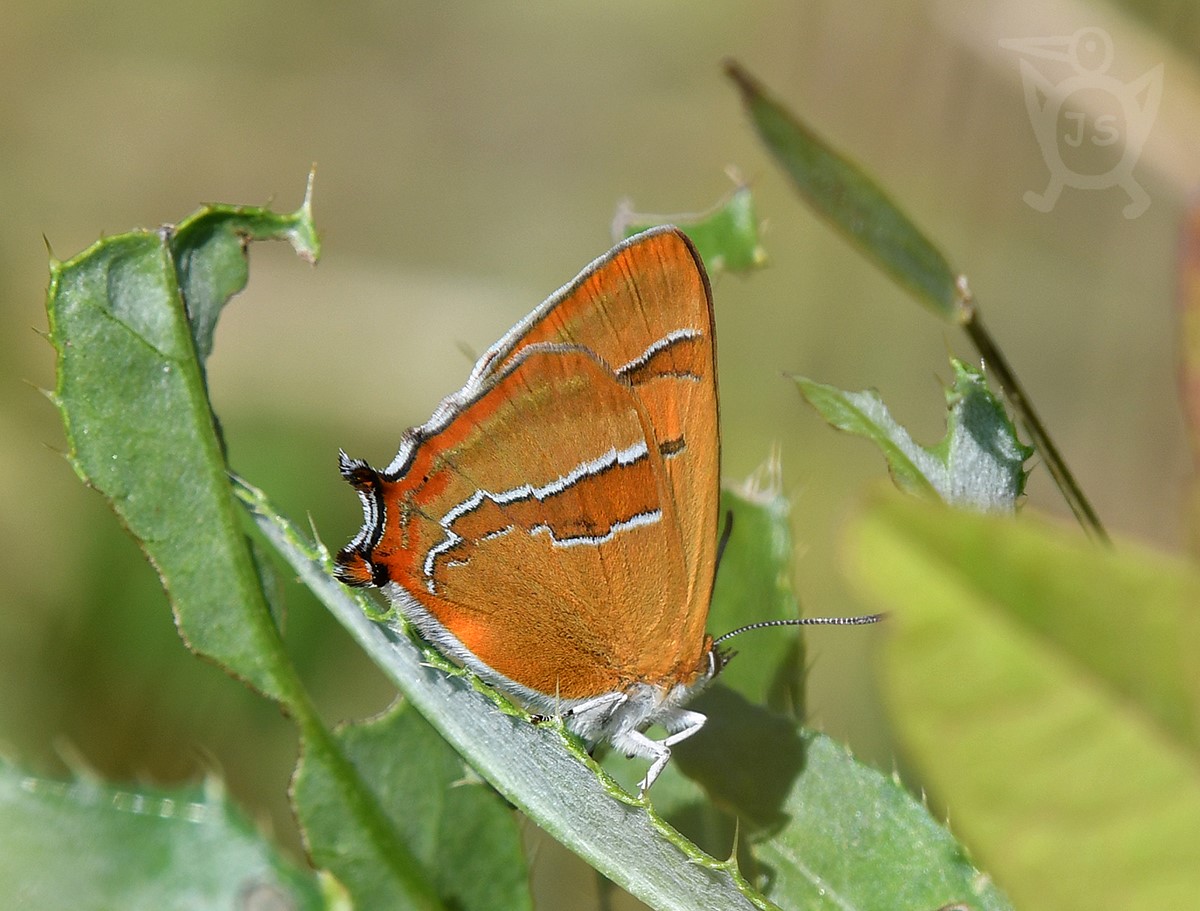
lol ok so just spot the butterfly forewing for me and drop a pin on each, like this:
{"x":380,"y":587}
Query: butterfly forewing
{"x":645,"y":310}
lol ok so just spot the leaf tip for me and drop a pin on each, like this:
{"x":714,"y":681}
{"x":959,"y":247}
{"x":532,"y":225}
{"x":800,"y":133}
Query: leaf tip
{"x":742,"y":79}
{"x":726,"y":235}
{"x":304,"y":238}
{"x":799,"y":379}
{"x":55,"y":262}
{"x":306,"y":206}
{"x":764,"y":485}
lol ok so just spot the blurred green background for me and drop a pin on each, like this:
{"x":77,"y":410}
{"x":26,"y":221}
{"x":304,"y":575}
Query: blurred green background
{"x":470,"y":157}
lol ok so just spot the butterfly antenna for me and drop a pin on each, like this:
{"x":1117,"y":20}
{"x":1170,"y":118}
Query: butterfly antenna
{"x":803,"y":621}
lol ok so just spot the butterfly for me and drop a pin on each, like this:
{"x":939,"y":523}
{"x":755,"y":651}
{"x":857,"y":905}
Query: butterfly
{"x":554,"y":525}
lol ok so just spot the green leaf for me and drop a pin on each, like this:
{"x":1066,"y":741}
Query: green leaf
{"x":726,"y":235}
{"x":209,"y":250}
{"x":139,"y":426}
{"x":349,"y":834}
{"x":889,"y":854}
{"x":841,"y":193}
{"x":1047,"y":689}
{"x":545,"y":773}
{"x":140,"y":429}
{"x":810,"y":818}
{"x":819,"y":830}
{"x":980,"y":463}
{"x":540,"y":768}
{"x":83,"y":845}
{"x":852,"y":202}
{"x":453,"y":823}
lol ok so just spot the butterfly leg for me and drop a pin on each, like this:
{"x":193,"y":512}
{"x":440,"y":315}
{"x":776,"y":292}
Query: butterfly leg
{"x":681,"y":725}
{"x":591,"y":718}
{"x":636,"y":744}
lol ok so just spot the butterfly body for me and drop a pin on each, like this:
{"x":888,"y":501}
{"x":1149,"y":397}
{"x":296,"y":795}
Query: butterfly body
{"x":553,"y":525}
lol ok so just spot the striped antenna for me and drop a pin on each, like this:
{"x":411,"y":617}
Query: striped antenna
{"x":803,"y":621}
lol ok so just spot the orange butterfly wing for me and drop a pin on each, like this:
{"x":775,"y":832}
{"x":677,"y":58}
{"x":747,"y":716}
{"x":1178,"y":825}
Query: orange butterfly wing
{"x":564,"y":503}
{"x":645,"y":309}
